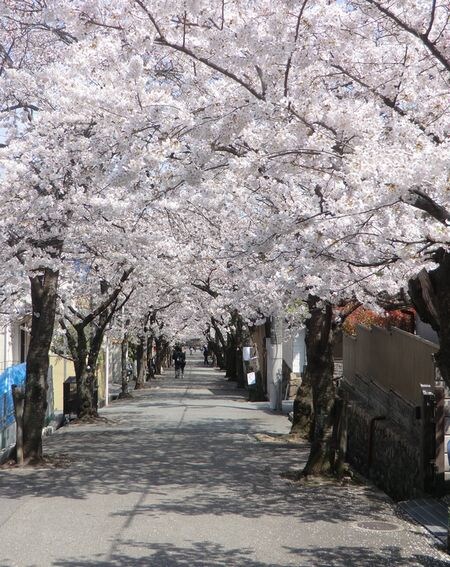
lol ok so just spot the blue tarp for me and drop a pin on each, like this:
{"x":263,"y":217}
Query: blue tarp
{"x":12,"y":375}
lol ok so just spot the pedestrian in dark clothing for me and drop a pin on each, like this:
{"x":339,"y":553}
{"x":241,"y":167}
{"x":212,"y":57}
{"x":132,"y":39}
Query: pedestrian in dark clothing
{"x":183,"y":363}
{"x":179,"y":360}
{"x":205,"y":355}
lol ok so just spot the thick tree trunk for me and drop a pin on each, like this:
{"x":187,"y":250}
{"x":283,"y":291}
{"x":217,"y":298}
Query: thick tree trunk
{"x":319,"y":344}
{"x":85,"y":339}
{"x":85,"y":360}
{"x":256,"y":393}
{"x":166,"y":360}
{"x":237,"y":337}
{"x":43,"y":297}
{"x":87,"y":389}
{"x":141,"y":356}
{"x":158,"y":355}
{"x":302,"y":423}
{"x":150,"y":367}
{"x":124,"y":359}
{"x":430,"y":294}
{"x":231,"y":356}
{"x":220,"y":345}
{"x":242,"y":339}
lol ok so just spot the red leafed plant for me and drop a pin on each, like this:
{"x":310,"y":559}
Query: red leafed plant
{"x":401,"y":318}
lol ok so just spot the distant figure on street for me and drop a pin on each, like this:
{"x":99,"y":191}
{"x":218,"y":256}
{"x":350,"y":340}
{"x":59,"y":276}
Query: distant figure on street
{"x":183,"y":364}
{"x":190,"y":350}
{"x":179,"y":361}
{"x":205,"y":355}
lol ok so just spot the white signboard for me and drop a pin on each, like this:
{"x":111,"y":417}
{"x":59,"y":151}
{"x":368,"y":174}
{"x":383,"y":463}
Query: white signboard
{"x":251,"y":378}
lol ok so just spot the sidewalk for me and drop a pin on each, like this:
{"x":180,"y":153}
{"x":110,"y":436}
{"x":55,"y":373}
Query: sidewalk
{"x":187,"y":474}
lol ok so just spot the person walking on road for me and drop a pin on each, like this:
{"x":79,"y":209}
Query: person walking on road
{"x":179,"y":360}
{"x":183,"y":364}
{"x":205,"y":355}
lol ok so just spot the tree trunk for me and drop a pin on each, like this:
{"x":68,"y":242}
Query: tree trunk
{"x":319,"y":345}
{"x":85,"y":339}
{"x":158,"y":355}
{"x":141,"y":356}
{"x":85,"y":360}
{"x":220,"y":345}
{"x":256,"y":393}
{"x":242,"y":339}
{"x":231,"y":356}
{"x":18,"y":395}
{"x":150,"y":367}
{"x":166,"y":360}
{"x":87,"y":381}
{"x":430,"y":294}
{"x":124,"y":359}
{"x":43,"y":298}
{"x":302,"y":423}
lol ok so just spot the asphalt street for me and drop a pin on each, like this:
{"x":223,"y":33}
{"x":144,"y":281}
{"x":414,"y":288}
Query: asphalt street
{"x":187,"y":473}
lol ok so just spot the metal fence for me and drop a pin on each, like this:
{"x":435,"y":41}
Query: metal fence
{"x":6,"y":412}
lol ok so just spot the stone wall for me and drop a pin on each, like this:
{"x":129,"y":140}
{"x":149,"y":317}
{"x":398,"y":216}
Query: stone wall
{"x":379,"y":449}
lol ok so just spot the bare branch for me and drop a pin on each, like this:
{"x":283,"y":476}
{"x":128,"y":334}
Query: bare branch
{"x":423,"y":37}
{"x":289,"y":61}
{"x":387,"y":101}
{"x":162,"y":40}
{"x":424,"y":202}
{"x":433,"y":13}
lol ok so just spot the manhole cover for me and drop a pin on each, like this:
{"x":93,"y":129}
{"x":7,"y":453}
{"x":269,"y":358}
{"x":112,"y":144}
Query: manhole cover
{"x":378,"y":526}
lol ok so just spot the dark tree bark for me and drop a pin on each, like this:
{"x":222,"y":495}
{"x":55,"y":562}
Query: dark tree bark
{"x":302,"y":423}
{"x":319,"y":348}
{"x":141,"y":356}
{"x":221,"y":345}
{"x":43,"y":297}
{"x":242,"y":339}
{"x":84,"y":334}
{"x":256,"y":393}
{"x":166,"y":355}
{"x":158,"y":355}
{"x":124,"y":393}
{"x":230,"y":356}
{"x":18,"y":395}
{"x":430,"y":294}
{"x":316,"y":413}
{"x":238,"y":336}
{"x":149,"y":361}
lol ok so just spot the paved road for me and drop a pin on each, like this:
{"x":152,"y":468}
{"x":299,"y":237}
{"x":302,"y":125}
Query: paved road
{"x":182,"y":475}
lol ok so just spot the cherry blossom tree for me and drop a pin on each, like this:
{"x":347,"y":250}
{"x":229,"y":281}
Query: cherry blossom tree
{"x":299,"y":151}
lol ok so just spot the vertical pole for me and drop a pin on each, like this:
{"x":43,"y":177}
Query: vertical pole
{"x":106,"y":371}
{"x":275,"y":364}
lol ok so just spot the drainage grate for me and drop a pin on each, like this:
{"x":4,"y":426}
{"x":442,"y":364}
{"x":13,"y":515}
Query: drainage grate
{"x":378,"y":526}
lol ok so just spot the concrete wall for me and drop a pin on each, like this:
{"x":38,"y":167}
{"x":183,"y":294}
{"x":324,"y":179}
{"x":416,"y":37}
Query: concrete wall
{"x":115,"y":362}
{"x":62,"y":369}
{"x":395,"y":359}
{"x":391,"y":433}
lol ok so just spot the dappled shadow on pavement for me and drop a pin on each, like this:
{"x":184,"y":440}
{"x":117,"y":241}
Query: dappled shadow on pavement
{"x":225,"y":469}
{"x":343,"y":556}
{"x":154,"y":449}
{"x":200,"y":554}
{"x":186,"y":453}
